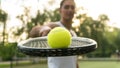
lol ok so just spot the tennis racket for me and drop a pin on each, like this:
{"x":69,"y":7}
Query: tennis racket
{"x":39,"y":47}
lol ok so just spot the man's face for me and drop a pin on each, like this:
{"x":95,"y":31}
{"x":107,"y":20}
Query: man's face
{"x":67,"y":10}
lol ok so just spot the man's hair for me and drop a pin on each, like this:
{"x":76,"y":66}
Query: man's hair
{"x":61,"y":3}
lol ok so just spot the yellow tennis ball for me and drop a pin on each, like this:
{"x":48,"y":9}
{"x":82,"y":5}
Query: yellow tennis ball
{"x":59,"y":37}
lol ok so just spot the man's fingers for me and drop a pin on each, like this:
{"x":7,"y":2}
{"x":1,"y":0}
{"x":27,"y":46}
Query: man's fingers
{"x":44,"y":31}
{"x":40,"y":34}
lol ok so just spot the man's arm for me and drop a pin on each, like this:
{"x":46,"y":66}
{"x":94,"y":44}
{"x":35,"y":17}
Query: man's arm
{"x":39,"y":31}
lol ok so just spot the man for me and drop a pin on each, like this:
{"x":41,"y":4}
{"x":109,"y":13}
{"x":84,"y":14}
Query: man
{"x":67,"y":11}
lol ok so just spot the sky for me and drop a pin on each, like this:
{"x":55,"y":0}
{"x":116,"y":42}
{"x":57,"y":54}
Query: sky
{"x":108,"y":7}
{"x":94,"y":7}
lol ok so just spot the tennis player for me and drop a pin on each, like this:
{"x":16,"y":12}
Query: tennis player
{"x":67,"y":11}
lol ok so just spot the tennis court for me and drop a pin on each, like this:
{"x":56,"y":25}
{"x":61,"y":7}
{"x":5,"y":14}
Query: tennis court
{"x":82,"y":64}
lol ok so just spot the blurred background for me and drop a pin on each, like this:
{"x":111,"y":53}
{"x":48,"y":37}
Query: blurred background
{"x":95,"y":19}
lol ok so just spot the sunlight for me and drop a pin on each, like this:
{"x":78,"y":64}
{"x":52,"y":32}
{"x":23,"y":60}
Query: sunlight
{"x":93,"y":8}
{"x":76,"y":24}
{"x":97,"y":7}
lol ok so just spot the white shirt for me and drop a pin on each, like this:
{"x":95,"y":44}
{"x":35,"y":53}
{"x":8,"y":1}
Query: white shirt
{"x":64,"y":61}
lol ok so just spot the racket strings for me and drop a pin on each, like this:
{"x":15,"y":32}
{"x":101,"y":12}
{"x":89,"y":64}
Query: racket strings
{"x":77,"y":43}
{"x":42,"y":43}
{"x":37,"y":44}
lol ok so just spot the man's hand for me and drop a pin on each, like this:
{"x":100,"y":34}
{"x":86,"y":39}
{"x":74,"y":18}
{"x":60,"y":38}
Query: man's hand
{"x":39,"y":31}
{"x":44,"y":31}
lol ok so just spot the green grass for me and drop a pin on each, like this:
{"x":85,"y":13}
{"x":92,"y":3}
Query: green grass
{"x":27,"y":66}
{"x":82,"y":64}
{"x":99,"y":64}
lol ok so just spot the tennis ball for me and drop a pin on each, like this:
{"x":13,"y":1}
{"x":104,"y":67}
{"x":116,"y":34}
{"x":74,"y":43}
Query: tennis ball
{"x":59,"y":37}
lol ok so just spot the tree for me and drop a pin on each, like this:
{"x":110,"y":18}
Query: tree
{"x":40,"y":18}
{"x":3,"y":19}
{"x":54,"y":15}
{"x":96,"y":29}
{"x":117,"y":40}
